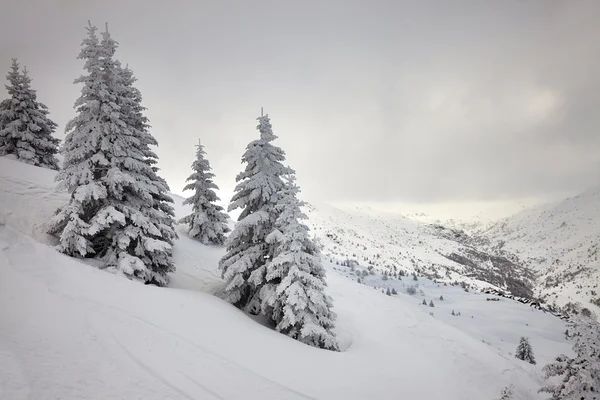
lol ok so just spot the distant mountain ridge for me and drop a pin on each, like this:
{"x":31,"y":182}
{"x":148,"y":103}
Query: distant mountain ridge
{"x":559,"y":241}
{"x":548,"y":251}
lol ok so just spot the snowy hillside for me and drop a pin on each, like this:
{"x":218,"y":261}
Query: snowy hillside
{"x":393,"y":242}
{"x":560,"y":241}
{"x":69,"y":330}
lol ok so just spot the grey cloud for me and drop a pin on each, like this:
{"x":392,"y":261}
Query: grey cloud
{"x":373,"y":101}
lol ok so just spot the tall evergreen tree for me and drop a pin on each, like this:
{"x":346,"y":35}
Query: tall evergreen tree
{"x":25,"y":129}
{"x":580,"y":375}
{"x":207,"y":222}
{"x":114,"y":212}
{"x":162,"y":211}
{"x":524,"y":351}
{"x":293,"y":295}
{"x":256,"y":194}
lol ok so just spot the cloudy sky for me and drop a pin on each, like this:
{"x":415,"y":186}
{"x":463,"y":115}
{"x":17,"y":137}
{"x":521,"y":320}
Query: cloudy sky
{"x":430,"y":102}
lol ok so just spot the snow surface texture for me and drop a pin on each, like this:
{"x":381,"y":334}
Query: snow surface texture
{"x":72,"y":331}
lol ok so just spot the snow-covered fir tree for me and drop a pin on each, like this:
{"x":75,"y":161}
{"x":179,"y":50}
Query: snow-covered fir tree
{"x":293,"y":296}
{"x":524,"y":351}
{"x":117,"y":210}
{"x":579,"y":377}
{"x":162,"y":211}
{"x":256,"y":194}
{"x":25,"y":129}
{"x":207,"y":222}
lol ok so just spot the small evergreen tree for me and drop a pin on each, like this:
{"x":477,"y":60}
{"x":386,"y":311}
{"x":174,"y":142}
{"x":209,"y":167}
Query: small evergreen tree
{"x":415,"y":277}
{"x":453,"y":313}
{"x":25,"y":129}
{"x":207,"y":222}
{"x":256,"y":194}
{"x":424,"y":302}
{"x":388,"y":292}
{"x":507,"y":393}
{"x":441,"y":298}
{"x":394,"y":291}
{"x":431,"y":303}
{"x":524,"y":351}
{"x":579,"y":376}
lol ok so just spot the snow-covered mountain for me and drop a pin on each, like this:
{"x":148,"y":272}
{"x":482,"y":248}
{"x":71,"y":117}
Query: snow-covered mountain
{"x":547,"y":251}
{"x":69,"y":330}
{"x":560,"y":242}
{"x":393,"y":242}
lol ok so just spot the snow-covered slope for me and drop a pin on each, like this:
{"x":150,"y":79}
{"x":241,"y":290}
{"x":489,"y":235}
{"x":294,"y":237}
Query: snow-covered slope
{"x":560,"y":241}
{"x":389,"y":242}
{"x":69,"y":330}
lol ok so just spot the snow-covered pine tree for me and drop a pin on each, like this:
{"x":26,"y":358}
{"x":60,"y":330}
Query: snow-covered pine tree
{"x":25,"y":129}
{"x":207,"y":222}
{"x":524,"y":351}
{"x":256,"y":194}
{"x":113,"y":186}
{"x":579,"y":376}
{"x":293,"y":297}
{"x":162,"y":211}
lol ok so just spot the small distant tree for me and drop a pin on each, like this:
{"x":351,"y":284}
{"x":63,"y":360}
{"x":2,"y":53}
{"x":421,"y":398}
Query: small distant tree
{"x":384,"y":277}
{"x":453,"y":313}
{"x":415,"y":277}
{"x":25,"y":129}
{"x":431,"y":303}
{"x":411,"y":290}
{"x":507,"y":393}
{"x":388,"y":292}
{"x":524,"y":351}
{"x":394,"y":291}
{"x":441,"y":298}
{"x":207,"y":222}
{"x":579,"y":376}
{"x":358,"y":280}
{"x":424,"y":302}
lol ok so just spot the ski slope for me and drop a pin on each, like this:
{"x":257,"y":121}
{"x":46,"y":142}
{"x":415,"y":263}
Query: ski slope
{"x":69,"y":330}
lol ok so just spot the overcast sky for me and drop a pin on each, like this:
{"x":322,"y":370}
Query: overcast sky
{"x":373,"y":101}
